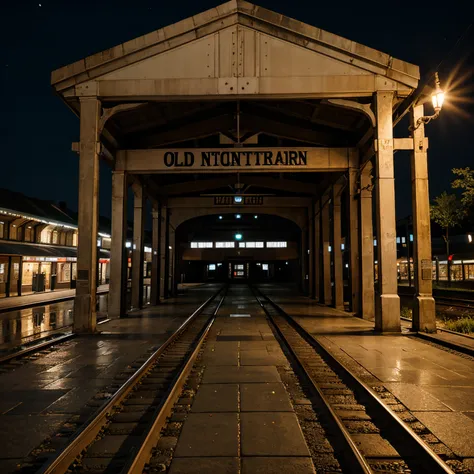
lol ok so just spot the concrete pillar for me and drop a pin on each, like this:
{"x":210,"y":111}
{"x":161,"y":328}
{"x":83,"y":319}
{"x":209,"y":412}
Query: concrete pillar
{"x":155,"y":258}
{"x":85,"y":317}
{"x":366,"y":245}
{"x":163,"y":250}
{"x":117,"y":299}
{"x":311,"y":251}
{"x":172,"y":288}
{"x":387,"y":314}
{"x":138,"y":245}
{"x":326,"y":255}
{"x":317,"y":252}
{"x":352,"y":241}
{"x":424,"y":316}
{"x":337,"y":252}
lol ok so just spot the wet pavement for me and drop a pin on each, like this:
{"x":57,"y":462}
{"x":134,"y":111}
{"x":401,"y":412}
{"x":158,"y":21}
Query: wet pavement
{"x":42,"y":394}
{"x":23,"y":326}
{"x":435,"y":384}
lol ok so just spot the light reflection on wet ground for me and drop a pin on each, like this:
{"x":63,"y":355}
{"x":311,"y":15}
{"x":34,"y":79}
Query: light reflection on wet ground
{"x":26,"y":325}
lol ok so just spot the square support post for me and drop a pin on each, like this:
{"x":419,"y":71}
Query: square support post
{"x":85,"y":315}
{"x":155,"y":258}
{"x":387,"y":315}
{"x":337,"y":252}
{"x":163,"y":249}
{"x":367,"y":244}
{"x":311,"y":250}
{"x":138,"y":245}
{"x":317,"y":252}
{"x":326,"y":260}
{"x":352,"y":244}
{"x":424,"y":315}
{"x":118,"y":252}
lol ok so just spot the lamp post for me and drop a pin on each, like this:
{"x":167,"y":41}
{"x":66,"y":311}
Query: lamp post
{"x":437,"y":99}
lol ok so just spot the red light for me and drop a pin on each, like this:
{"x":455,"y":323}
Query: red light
{"x":450,"y":258}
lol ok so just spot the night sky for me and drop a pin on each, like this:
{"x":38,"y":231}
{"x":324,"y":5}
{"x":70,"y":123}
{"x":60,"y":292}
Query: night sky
{"x":36,"y":128}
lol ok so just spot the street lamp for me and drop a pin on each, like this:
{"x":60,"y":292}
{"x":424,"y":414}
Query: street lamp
{"x":437,"y":98}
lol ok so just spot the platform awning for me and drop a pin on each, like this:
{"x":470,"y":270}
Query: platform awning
{"x":38,"y":250}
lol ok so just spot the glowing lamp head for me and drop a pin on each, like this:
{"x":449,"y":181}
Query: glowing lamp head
{"x":238,"y":236}
{"x":438,"y":95}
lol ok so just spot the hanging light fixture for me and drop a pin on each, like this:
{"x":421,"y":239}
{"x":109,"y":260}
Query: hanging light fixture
{"x":437,"y":99}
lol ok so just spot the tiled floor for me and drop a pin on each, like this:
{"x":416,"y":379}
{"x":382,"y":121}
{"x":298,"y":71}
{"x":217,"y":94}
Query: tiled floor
{"x":241,"y":419}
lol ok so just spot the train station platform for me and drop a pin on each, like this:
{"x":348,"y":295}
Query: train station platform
{"x":15,"y":303}
{"x":66,"y":385}
{"x":435,"y":383}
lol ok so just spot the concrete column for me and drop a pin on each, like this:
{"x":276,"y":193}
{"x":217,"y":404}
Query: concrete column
{"x":387,"y":314}
{"x":366,"y":245}
{"x":326,"y":255}
{"x":117,"y":299}
{"x":424,"y":316}
{"x":352,"y":242}
{"x":337,"y":252}
{"x":172,"y":259}
{"x":317,"y":252}
{"x":138,"y":245}
{"x":155,"y":258}
{"x":311,"y":250}
{"x":85,"y":317}
{"x":163,"y":250}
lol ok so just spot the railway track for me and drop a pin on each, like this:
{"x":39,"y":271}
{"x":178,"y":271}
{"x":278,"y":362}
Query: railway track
{"x":120,"y":436}
{"x":370,"y":436}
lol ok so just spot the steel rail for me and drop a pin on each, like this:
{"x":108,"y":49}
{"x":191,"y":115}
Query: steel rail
{"x":91,"y":428}
{"x":351,"y":453}
{"x":137,"y":464}
{"x":431,"y":461}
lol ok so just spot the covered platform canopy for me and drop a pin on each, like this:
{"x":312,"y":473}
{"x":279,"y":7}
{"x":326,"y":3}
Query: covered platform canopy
{"x":240,"y":100}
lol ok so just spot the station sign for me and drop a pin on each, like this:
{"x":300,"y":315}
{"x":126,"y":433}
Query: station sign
{"x":238,"y":200}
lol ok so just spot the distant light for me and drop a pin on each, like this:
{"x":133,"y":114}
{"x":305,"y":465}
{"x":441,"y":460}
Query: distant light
{"x":329,"y":248}
{"x":259,"y":264}
{"x":171,"y":248}
{"x":238,"y":236}
{"x":255,"y":217}
{"x":147,"y":249}
{"x":219,"y":264}
{"x":347,"y":265}
{"x":265,"y":266}
{"x":237,"y":199}
{"x":212,"y":266}
{"x":375,"y":241}
{"x":128,"y":245}
{"x":286,"y":263}
{"x":411,"y":237}
{"x":342,"y":246}
{"x":469,"y":238}
{"x":238,"y":216}
{"x":99,"y":242}
{"x":220,"y":218}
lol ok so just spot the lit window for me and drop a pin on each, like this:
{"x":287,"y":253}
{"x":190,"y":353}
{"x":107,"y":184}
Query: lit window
{"x":204,"y":245}
{"x":238,"y":199}
{"x":259,"y":245}
{"x":273,"y":245}
{"x":128,"y":245}
{"x":212,"y":267}
{"x":251,"y":245}
{"x":398,"y":240}
{"x":375,"y":242}
{"x":239,"y":267}
{"x":242,"y":245}
{"x":411,"y":237}
{"x":225,"y":245}
{"x":238,"y":216}
{"x":329,"y":248}
{"x":403,"y":240}
{"x":194,"y":245}
{"x":342,"y":246}
{"x":265,"y":266}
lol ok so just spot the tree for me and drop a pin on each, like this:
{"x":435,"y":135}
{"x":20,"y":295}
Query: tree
{"x":448,"y":212}
{"x":465,"y":181}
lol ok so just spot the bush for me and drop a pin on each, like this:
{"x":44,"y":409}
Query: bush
{"x":406,"y":313}
{"x":464,"y":325}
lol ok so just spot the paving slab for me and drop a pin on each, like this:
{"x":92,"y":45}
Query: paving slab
{"x":264,"y":397}
{"x":453,"y":429}
{"x":458,"y":399}
{"x":248,"y":374}
{"x":416,"y":398}
{"x":277,"y":465}
{"x":20,"y":402}
{"x":31,"y":429}
{"x":260,"y":357}
{"x":373,"y":445}
{"x":216,"y":398}
{"x":205,"y":465}
{"x":209,"y":434}
{"x":272,"y":434}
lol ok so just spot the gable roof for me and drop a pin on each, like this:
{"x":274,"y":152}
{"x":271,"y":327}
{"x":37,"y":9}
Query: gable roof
{"x":232,"y":13}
